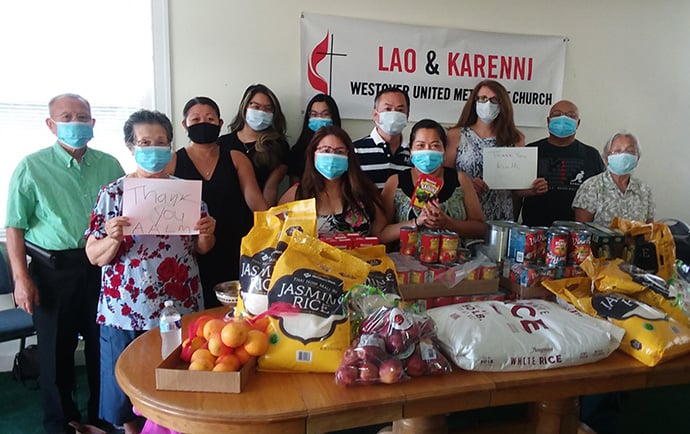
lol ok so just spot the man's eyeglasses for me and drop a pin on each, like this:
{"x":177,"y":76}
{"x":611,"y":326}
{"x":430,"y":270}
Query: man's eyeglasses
{"x":484,"y":98}
{"x":557,"y":113}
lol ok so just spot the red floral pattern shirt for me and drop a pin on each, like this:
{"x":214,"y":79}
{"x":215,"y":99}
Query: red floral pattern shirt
{"x":146,"y":271}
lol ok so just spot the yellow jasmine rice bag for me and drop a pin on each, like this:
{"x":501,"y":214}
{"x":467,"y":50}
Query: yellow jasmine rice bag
{"x":651,"y":336}
{"x":382,"y":275}
{"x":308,"y":284}
{"x":263,"y":245}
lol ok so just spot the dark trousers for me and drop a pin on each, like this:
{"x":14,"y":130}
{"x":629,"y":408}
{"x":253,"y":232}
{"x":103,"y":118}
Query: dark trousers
{"x":68,"y":299}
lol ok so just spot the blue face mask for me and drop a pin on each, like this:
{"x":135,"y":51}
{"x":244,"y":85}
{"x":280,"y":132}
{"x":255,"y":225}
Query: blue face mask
{"x":74,"y":134}
{"x":258,"y":120}
{"x":316,"y":123}
{"x":331,"y":166}
{"x":562,"y":126}
{"x":426,"y":161}
{"x":622,"y":164}
{"x":152,"y":159}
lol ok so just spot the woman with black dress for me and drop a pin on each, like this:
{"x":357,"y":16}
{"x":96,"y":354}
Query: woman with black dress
{"x":228,"y":187}
{"x":258,"y":131}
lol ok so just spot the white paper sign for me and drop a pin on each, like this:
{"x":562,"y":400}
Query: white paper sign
{"x":510,"y":168}
{"x":161,"y":206}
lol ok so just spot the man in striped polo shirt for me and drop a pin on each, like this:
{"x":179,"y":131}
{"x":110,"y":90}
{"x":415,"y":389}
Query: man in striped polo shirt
{"x":384,"y":152}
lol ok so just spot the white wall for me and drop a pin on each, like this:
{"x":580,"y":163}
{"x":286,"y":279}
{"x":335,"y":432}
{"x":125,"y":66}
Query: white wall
{"x":626,"y":66}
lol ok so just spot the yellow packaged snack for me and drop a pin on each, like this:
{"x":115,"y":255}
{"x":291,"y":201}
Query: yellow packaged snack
{"x":309,"y":282}
{"x":383,"y":275}
{"x":651,"y":336}
{"x":263,"y":245}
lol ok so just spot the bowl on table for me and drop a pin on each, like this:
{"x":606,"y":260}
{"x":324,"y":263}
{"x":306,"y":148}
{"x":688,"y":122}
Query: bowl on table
{"x":228,"y":292}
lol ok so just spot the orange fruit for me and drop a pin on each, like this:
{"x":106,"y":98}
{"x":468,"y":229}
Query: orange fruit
{"x":234,"y":334}
{"x":201,"y":365}
{"x":229,"y":362}
{"x":261,"y":323}
{"x":198,"y":325}
{"x":203,"y":353}
{"x":197,"y":343}
{"x":242,"y":355}
{"x":256,"y":343}
{"x":212,"y":326}
{"x":216,"y":345}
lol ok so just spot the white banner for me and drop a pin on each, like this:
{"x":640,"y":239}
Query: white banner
{"x":351,"y":59}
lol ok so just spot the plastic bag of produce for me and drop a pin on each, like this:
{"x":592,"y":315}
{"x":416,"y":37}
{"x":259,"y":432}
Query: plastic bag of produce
{"x":521,"y":336}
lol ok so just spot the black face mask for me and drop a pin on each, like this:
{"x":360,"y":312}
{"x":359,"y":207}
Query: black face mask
{"x":203,"y":133}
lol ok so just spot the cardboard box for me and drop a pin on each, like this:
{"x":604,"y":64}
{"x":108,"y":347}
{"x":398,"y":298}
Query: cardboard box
{"x":520,"y":292}
{"x":172,"y":374}
{"x":410,"y":291}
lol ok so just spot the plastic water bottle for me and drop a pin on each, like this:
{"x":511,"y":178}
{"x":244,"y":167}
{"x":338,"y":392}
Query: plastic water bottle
{"x":171,"y":329}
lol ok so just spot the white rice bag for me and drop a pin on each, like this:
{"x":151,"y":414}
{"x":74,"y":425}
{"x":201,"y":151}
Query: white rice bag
{"x":522,"y":335}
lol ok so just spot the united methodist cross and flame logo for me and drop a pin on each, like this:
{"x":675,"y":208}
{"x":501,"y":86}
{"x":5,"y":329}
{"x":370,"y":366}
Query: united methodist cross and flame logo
{"x":317,"y":55}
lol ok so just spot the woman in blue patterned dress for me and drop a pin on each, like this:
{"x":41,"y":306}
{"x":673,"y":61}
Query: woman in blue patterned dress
{"x":486,"y":122}
{"x":140,"y":272}
{"x":346,"y":200}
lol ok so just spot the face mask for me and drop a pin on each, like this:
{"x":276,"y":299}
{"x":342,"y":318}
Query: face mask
{"x":427,"y":160}
{"x":622,"y":164}
{"x":331,"y":166}
{"x":203,"y":133}
{"x":258,"y":120}
{"x":392,"y":123}
{"x":316,"y":123}
{"x":152,"y":159}
{"x":74,"y":134}
{"x":487,"y":111}
{"x":562,"y":126}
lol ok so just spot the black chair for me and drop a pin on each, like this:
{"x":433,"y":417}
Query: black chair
{"x":14,"y":322}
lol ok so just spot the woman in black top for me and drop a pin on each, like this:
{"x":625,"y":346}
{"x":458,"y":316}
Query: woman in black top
{"x":321,"y":111}
{"x":258,"y":131}
{"x":228,"y":187}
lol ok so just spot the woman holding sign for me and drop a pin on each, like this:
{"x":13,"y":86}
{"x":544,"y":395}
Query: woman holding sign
{"x":486,"y":122}
{"x":140,"y":272}
{"x":430,"y":195}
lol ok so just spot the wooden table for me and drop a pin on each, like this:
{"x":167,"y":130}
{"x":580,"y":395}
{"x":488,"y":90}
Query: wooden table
{"x":313,"y":403}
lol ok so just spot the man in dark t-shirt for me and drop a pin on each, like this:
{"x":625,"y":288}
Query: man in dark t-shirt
{"x":563,"y":164}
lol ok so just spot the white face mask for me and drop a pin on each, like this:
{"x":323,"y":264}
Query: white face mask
{"x":392,"y":123}
{"x":487,"y":111}
{"x":258,"y":120}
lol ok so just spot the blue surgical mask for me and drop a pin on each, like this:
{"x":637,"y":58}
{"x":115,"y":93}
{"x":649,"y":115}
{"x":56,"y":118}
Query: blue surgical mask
{"x":622,"y":164}
{"x":562,"y":126}
{"x":392,"y":122}
{"x":258,"y":120}
{"x":427,"y":160}
{"x":487,"y":111}
{"x":74,"y":134}
{"x":316,"y":123}
{"x":331,"y":166}
{"x":152,"y":159}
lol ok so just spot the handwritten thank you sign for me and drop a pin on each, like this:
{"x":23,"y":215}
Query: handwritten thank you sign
{"x":510,"y":168}
{"x":161,"y":206}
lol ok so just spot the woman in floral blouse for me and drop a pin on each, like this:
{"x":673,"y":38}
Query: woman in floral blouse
{"x":139,"y":272}
{"x":346,"y":200}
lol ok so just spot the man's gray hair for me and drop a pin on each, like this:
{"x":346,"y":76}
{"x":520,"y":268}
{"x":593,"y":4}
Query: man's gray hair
{"x":68,"y":95}
{"x":623,"y":133}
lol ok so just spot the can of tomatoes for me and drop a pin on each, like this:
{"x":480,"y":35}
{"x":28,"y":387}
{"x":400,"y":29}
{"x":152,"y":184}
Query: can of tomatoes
{"x":556,"y":248}
{"x":429,"y":248}
{"x":579,"y":246}
{"x":408,"y":240}
{"x":448,"y":247}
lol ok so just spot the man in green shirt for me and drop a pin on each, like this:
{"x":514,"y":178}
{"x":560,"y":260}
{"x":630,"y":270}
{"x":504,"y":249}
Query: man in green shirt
{"x":51,"y":195}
